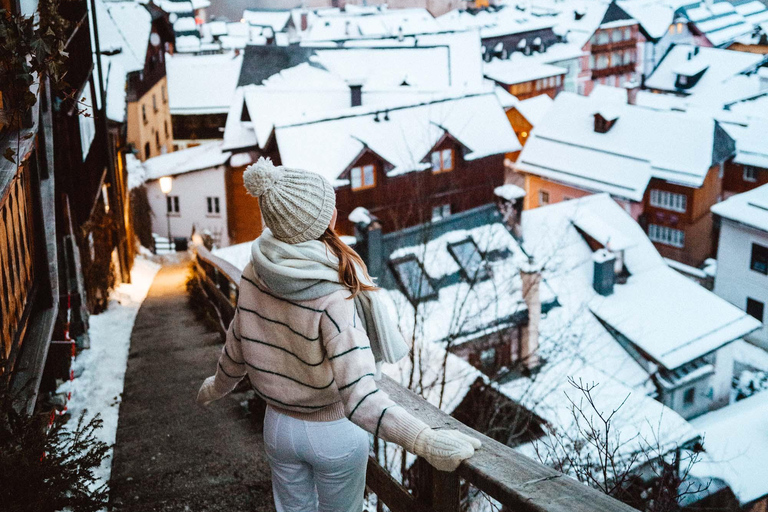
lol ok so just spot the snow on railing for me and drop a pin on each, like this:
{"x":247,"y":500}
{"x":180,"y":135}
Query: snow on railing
{"x":516,"y":482}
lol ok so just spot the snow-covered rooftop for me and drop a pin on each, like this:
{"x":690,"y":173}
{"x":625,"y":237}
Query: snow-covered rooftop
{"x":534,"y":109}
{"x":276,"y":20}
{"x":507,"y":20}
{"x":514,"y":72}
{"x":748,"y":208}
{"x":369,"y":25}
{"x":736,"y":442}
{"x":671,"y":318}
{"x":643,"y":143}
{"x":202,"y":84}
{"x":720,"y":66}
{"x":205,"y":156}
{"x":124,"y":29}
{"x":403,"y":136}
{"x":720,"y":22}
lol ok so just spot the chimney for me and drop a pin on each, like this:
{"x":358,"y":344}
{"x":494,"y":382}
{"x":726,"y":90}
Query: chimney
{"x":605,"y":118}
{"x":604,"y":275}
{"x":530,"y":275}
{"x":304,"y":21}
{"x":356,"y":94}
{"x":368,"y":239}
{"x":509,"y":200}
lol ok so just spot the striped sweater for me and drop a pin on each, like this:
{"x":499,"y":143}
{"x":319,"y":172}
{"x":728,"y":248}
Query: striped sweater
{"x":309,"y":359}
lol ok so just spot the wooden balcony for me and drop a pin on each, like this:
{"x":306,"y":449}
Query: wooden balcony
{"x":17,"y":255}
{"x":516,"y":482}
{"x":613,"y":70}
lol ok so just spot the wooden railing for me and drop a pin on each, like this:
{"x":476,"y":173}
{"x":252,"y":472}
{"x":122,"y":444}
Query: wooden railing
{"x":16,"y":259}
{"x":518,"y":483}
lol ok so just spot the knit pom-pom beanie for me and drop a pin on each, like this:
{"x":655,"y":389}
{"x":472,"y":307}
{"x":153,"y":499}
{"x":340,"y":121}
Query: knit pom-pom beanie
{"x":296,"y":205}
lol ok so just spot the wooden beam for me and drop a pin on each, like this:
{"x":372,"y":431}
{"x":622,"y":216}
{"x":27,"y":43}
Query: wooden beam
{"x":519,"y":483}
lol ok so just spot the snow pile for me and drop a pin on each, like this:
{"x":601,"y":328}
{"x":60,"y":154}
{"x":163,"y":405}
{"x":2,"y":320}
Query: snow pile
{"x":509,"y":192}
{"x":360,"y":216}
{"x":101,"y":369}
{"x":137,"y":175}
{"x":736,"y":440}
{"x":238,"y":255}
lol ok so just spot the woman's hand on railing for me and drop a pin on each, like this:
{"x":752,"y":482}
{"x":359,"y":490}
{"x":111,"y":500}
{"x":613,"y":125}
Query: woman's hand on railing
{"x":445,"y":449}
{"x":207,"y":393}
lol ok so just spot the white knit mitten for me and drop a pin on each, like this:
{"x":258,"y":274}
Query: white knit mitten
{"x":207,"y":393}
{"x":445,"y":449}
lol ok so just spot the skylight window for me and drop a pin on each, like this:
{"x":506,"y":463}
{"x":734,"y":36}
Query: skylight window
{"x":472,"y":263}
{"x":413,"y":279}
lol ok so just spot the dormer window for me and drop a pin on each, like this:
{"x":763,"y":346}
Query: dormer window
{"x":413,"y":279}
{"x":363,"y":177}
{"x":442,"y":160}
{"x":604,"y":121}
{"x":690,"y":72}
{"x":470,"y":260}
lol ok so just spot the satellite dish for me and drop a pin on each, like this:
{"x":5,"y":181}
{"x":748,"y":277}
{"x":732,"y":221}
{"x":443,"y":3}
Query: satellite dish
{"x":154,"y":39}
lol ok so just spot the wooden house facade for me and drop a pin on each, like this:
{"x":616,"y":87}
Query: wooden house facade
{"x":401,"y":164}
{"x":65,"y":222}
{"x":612,"y":51}
{"x":670,"y":197}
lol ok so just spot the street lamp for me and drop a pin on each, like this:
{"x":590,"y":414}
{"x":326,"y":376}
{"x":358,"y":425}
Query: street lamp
{"x":166,"y":184}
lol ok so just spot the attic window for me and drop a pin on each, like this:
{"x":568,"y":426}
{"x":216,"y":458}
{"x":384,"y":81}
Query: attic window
{"x":604,"y":121}
{"x":363,"y":176}
{"x":413,"y":279}
{"x":442,"y":161}
{"x":469,"y":258}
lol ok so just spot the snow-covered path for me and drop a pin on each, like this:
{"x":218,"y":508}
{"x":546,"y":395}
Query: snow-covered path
{"x":100,"y":370}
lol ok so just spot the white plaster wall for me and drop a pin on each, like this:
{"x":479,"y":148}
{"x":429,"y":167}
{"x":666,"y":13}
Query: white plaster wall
{"x":734,"y":280}
{"x":721,"y":380}
{"x":192,"y":188}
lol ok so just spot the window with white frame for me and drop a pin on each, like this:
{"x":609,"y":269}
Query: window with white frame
{"x":669,"y":200}
{"x":750,"y":173}
{"x":602,"y":61}
{"x":442,"y":160}
{"x":628,"y":57}
{"x":438,"y":212}
{"x":666,"y":235}
{"x":172,"y":204}
{"x":603,"y":38}
{"x":213,"y":205}
{"x":363,"y":177}
{"x":627,"y":34}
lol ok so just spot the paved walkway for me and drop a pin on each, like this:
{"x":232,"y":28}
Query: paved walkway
{"x":170,"y":453}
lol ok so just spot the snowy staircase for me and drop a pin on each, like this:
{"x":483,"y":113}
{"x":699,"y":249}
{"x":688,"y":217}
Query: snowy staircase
{"x":163,"y":245}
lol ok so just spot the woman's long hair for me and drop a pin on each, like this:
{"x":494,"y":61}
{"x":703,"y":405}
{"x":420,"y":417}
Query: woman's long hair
{"x":348,"y":258}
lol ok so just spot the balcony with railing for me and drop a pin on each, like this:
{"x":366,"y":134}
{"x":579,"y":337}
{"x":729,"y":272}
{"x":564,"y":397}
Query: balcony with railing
{"x":510,"y":481}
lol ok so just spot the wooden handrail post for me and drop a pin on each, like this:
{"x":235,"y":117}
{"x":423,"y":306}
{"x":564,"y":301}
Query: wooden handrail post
{"x":438,"y":490}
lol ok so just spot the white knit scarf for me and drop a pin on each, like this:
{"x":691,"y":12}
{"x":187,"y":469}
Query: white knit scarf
{"x":309,"y":270}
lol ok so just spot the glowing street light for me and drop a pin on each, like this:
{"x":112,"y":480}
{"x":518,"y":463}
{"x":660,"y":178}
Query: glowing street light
{"x":166,"y":184}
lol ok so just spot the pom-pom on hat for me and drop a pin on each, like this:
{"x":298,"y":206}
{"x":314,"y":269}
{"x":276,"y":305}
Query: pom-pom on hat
{"x":296,"y":205}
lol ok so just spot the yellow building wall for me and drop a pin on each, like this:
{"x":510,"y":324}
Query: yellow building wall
{"x":153,"y":136}
{"x":557,"y":192}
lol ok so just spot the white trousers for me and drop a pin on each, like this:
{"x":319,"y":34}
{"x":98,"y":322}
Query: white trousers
{"x":317,"y":466}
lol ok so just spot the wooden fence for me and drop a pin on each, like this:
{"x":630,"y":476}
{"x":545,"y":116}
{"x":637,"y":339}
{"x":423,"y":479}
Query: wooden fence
{"x":518,"y":483}
{"x":16,"y":260}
